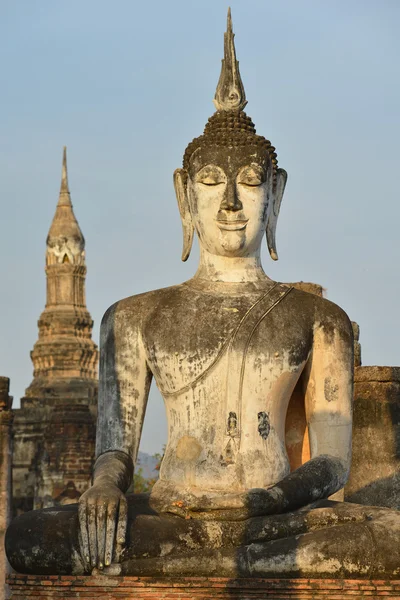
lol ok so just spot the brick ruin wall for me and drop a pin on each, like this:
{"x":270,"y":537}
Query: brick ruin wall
{"x":198,"y":588}
{"x":5,"y":474}
{"x":375,"y":471}
{"x":54,"y":447}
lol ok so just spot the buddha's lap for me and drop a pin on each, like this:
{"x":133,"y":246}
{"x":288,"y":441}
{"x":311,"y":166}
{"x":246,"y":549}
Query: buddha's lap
{"x":339,"y":542}
{"x":46,"y":541}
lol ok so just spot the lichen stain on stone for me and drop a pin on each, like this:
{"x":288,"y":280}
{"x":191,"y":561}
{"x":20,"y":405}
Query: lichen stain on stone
{"x":331,"y":389}
{"x":188,"y":448}
{"x":264,"y":426}
{"x":213,"y":532}
{"x":166,"y":548}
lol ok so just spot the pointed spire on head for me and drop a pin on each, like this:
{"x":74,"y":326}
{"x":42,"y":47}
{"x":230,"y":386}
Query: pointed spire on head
{"x":229,"y":126}
{"x":230,"y":94}
{"x":64,"y":199}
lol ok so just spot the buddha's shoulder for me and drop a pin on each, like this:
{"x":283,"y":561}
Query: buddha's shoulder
{"x":323,"y":312}
{"x":140,"y":307}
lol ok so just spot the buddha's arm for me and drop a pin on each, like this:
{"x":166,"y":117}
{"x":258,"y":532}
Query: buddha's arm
{"x":328,"y":387}
{"x":124,"y":385}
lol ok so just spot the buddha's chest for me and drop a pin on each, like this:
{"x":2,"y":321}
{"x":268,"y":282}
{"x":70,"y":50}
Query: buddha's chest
{"x":253,"y":341}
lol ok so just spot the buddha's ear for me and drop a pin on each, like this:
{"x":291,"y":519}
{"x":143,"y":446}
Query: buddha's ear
{"x":180,"y":178}
{"x":281,"y":178}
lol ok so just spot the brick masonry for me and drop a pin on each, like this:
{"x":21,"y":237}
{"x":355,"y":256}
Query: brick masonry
{"x":375,"y":470}
{"x":202,"y":588}
{"x":5,"y":473}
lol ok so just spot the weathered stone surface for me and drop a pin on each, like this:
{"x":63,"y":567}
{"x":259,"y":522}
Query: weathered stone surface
{"x":199,"y":588}
{"x":5,"y":474}
{"x":54,"y":430}
{"x":311,"y":288}
{"x":328,"y":539}
{"x":373,"y":373}
{"x":318,"y":290}
{"x":375,"y":471}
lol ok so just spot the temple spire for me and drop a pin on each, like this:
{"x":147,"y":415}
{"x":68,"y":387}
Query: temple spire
{"x":65,"y":240}
{"x":64,"y":199}
{"x":230,"y":94}
{"x":64,"y":349}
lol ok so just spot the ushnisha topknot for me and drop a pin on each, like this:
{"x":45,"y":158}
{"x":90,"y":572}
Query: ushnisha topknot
{"x":232,"y":130}
{"x":230,"y":126}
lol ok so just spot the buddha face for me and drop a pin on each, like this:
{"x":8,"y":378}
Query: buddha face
{"x":228,"y":194}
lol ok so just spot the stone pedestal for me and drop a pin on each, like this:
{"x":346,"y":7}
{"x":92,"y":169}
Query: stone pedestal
{"x":202,"y":588}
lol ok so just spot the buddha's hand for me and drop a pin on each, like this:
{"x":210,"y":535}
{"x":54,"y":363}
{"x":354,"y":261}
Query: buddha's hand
{"x":238,"y":507}
{"x":103,"y":514}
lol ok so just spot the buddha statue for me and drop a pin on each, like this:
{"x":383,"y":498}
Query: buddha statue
{"x":226,"y":349}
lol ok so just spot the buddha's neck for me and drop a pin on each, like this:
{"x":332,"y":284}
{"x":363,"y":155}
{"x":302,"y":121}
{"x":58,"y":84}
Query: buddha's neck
{"x":230,"y":269}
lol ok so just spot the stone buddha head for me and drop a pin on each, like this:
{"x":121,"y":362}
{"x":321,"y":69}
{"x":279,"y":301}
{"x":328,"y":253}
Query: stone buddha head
{"x":230,"y":187}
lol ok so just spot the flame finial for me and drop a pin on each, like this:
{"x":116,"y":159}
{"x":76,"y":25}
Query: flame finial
{"x":230,"y":94}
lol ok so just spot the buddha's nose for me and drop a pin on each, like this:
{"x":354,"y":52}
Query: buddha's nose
{"x":231,"y":199}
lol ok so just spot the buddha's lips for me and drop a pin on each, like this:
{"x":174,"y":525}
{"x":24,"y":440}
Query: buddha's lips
{"x":233,"y":225}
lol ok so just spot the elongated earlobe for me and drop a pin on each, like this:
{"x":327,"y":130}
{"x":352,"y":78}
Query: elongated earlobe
{"x":281,"y":179}
{"x":186,"y":218}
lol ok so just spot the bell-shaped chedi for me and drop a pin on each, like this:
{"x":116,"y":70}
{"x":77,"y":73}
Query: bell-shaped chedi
{"x":65,"y":356}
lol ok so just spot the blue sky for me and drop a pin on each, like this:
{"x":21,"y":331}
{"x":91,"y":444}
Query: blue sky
{"x":126,"y":85}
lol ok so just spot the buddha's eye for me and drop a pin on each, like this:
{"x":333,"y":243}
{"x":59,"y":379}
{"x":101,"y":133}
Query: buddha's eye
{"x":250,"y":182}
{"x":211,"y":175}
{"x":210,"y":182}
{"x":251,"y":176}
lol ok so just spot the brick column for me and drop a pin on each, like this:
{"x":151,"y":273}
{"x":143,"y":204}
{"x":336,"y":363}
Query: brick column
{"x":375,"y":472}
{"x":5,"y":475}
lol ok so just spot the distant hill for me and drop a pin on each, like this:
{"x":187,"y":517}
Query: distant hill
{"x":147,"y":463}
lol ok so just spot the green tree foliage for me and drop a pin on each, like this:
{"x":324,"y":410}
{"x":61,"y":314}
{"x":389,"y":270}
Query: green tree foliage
{"x":140,"y":483}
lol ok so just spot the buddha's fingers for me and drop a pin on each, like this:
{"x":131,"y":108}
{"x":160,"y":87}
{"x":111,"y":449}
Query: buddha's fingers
{"x":84,"y":535}
{"x":101,"y":525}
{"x":121,"y":528}
{"x":110,"y":533}
{"x":92,"y":533}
